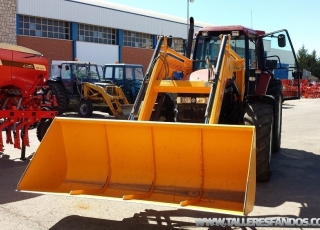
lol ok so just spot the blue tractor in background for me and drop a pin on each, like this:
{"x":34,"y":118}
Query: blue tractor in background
{"x":128,"y":77}
{"x":66,"y":78}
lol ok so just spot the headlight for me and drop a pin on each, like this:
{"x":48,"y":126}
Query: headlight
{"x":183,"y":99}
{"x":202,"y":100}
{"x":187,"y":100}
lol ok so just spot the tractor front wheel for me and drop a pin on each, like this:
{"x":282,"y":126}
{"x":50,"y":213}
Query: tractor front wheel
{"x":85,"y":108}
{"x":261,"y":116}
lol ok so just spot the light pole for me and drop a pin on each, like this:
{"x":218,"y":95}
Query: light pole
{"x":188,"y":16}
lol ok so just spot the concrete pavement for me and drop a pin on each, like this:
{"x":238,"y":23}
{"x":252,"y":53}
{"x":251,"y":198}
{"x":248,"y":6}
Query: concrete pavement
{"x":293,"y":190}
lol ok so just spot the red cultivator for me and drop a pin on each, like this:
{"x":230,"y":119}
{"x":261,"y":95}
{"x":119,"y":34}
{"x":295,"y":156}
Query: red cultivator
{"x":310,"y":90}
{"x":307,"y":89}
{"x":23,"y":80}
{"x":290,"y":88}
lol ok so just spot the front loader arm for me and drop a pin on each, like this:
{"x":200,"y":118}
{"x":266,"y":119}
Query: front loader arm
{"x":230,"y":66}
{"x":166,"y":64}
{"x":97,"y":93}
{"x":145,"y":83}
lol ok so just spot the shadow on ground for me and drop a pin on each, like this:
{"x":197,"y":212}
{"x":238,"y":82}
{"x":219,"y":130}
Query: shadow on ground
{"x":150,"y":219}
{"x":295,"y":178}
{"x":11,"y":170}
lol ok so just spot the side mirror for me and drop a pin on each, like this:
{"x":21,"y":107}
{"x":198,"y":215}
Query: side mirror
{"x":281,"y":40}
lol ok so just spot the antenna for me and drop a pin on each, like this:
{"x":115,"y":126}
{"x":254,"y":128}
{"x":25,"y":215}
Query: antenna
{"x":251,"y":19}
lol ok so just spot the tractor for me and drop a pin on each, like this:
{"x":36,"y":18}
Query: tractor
{"x":127,"y":76}
{"x":86,"y":87}
{"x":65,"y":81}
{"x":200,"y":134}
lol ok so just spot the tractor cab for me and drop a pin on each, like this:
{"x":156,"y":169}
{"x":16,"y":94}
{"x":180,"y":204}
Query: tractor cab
{"x":70,"y":73}
{"x":127,"y":76}
{"x":270,"y":53}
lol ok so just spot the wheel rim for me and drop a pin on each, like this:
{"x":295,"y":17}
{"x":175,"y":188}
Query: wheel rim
{"x":84,"y":109}
{"x":162,"y":118}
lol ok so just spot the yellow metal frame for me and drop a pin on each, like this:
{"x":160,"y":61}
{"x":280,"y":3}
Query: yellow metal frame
{"x":232,"y":67}
{"x":98,"y":93}
{"x":170,"y":61}
{"x":207,"y":167}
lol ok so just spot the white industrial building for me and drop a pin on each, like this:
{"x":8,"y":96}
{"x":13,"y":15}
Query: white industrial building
{"x":94,"y":30}
{"x":91,"y":30}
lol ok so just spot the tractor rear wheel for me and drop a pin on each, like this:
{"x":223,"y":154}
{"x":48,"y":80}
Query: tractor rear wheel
{"x":85,"y":108}
{"x":59,"y":91}
{"x":261,"y":116}
{"x":43,"y":127}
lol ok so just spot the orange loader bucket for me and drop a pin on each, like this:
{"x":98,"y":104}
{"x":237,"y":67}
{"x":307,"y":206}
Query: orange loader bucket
{"x":204,"y":167}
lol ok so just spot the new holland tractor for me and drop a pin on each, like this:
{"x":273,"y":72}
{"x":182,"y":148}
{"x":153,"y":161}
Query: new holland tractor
{"x":200,"y":134}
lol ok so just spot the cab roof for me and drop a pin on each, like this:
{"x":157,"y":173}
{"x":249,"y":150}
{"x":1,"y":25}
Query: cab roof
{"x":245,"y":30}
{"x":60,"y":62}
{"x":123,"y":64}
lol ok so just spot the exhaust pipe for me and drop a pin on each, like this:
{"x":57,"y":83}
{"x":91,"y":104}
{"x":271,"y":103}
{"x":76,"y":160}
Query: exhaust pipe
{"x":190,"y":37}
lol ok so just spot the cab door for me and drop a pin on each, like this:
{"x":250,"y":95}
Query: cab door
{"x":66,"y":78}
{"x":281,"y":62}
{"x":119,"y":77}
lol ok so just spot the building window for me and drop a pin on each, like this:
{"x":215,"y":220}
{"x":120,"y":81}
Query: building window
{"x":177,"y":44}
{"x":42,"y":27}
{"x":97,"y":34}
{"x":136,"y":39}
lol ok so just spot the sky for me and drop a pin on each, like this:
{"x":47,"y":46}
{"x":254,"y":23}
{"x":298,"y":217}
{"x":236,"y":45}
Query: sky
{"x":300,"y":17}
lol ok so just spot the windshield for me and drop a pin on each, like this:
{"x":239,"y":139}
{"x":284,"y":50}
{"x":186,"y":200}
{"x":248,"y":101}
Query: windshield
{"x":83,"y":70}
{"x":210,"y":46}
{"x":138,"y":73}
{"x":134,"y":73}
{"x":131,"y":72}
{"x":55,"y":71}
